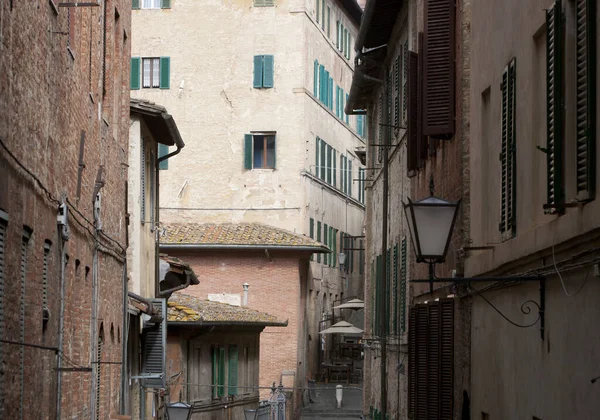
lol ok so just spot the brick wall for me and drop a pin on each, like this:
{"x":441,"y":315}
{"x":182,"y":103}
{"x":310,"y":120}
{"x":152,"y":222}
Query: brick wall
{"x":274,"y":288}
{"x":51,"y":89}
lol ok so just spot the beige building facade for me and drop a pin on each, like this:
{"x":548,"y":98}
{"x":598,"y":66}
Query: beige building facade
{"x":534,"y":71}
{"x":258,"y":90}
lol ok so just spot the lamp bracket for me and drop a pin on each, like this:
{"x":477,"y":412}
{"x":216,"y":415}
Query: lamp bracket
{"x":525,"y":307}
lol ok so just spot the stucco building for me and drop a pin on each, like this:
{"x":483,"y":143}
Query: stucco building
{"x":258,"y":90}
{"x":64,"y":125}
{"x":534,"y":105}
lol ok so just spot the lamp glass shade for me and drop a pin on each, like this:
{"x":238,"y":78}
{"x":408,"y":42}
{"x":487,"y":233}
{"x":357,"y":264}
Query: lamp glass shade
{"x":430,"y":223}
{"x":179,"y":411}
{"x":342,"y":258}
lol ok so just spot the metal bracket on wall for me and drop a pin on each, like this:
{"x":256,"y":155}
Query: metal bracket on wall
{"x":525,"y":306}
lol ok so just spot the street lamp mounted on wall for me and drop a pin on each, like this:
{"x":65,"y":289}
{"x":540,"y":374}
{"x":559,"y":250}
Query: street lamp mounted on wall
{"x":431,"y":222}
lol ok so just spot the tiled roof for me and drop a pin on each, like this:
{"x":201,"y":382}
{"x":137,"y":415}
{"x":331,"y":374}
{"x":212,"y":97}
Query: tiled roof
{"x":247,"y":234}
{"x":186,"y":308}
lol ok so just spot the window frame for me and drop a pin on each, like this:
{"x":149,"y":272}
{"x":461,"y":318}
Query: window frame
{"x":151,"y":76}
{"x":266,"y":135}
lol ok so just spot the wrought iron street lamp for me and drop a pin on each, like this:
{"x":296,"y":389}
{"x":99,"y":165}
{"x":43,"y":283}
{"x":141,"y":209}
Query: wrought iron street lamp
{"x":179,"y":411}
{"x":431,"y":222}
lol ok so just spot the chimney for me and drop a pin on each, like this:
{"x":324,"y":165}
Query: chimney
{"x":245,"y":298}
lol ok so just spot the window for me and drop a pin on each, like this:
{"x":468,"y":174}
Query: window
{"x":264,"y":3}
{"x":317,"y":150}
{"x":218,"y":372}
{"x":47,"y":248}
{"x":361,"y":185}
{"x":263,"y":71}
{"x":319,"y":239}
{"x":154,"y":71}
{"x":311,"y":234}
{"x":259,"y":151}
{"x":326,"y":242}
{"x":360,"y":125}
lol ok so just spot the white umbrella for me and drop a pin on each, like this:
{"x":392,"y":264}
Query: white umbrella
{"x":342,"y":327}
{"x":351,"y":304}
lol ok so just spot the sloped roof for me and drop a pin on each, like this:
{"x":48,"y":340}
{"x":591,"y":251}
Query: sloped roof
{"x":182,"y":308}
{"x":160,"y":123}
{"x":237,"y":235}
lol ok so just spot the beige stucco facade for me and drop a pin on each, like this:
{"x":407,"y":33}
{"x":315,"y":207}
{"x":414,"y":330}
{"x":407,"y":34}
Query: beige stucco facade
{"x":211,"y":45}
{"x":515,"y":373}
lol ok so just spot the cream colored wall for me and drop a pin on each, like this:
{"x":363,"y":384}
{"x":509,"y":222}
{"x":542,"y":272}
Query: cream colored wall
{"x":517,"y":29}
{"x":141,"y":251}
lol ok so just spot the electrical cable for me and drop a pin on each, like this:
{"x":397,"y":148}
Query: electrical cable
{"x":562,"y":282}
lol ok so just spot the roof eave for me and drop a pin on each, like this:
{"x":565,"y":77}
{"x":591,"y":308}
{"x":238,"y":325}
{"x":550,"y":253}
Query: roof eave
{"x":227,"y":324}
{"x":370,"y":35}
{"x":298,"y":248}
{"x":157,"y":116}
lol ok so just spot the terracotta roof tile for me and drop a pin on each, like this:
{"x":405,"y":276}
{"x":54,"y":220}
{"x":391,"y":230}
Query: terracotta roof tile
{"x":186,"y":308}
{"x":236,"y":234}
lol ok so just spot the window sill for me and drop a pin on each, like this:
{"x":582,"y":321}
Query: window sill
{"x":264,"y":169}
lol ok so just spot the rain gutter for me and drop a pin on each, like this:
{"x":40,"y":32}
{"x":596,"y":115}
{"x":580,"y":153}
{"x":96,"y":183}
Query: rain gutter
{"x":225,"y":324}
{"x":313,"y":249}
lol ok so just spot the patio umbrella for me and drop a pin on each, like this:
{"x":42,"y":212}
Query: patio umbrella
{"x":342,"y":327}
{"x":351,"y":304}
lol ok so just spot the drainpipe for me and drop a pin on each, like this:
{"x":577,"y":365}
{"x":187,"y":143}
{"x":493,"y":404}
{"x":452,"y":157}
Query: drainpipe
{"x":124,"y":342}
{"x":61,"y":324}
{"x":384,"y":240}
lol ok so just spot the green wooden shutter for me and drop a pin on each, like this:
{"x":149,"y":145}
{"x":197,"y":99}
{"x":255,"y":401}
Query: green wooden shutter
{"x":221,"y":382}
{"x":347,"y":116}
{"x":319,"y":239}
{"x":232,"y":371}
{"x":349,"y":178}
{"x":331,"y":93}
{"x":317,"y":148}
{"x":326,"y":242}
{"x":508,"y":151}
{"x":258,"y":71}
{"x":135,"y":4}
{"x":274,"y":152}
{"x":328,"y":22}
{"x":323,"y":160}
{"x":311,"y":230}
{"x":165,"y":72}
{"x":163,"y":150}
{"x":248,"y":151}
{"x":322,"y":83}
{"x":337,"y":34}
{"x":554,"y":103}
{"x":323,"y":14}
{"x":316,"y":78}
{"x":165,"y":4}
{"x":334,"y":242}
{"x":268,"y":71}
{"x":215,"y":371}
{"x":329,"y":164}
{"x":135,"y":73}
{"x":395,"y":290}
{"x":403,"y":279}
{"x":333,"y":159}
{"x":586,"y":99}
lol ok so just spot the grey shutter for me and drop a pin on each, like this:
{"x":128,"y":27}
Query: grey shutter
{"x":554,"y":104}
{"x":349,"y":178}
{"x":165,"y":73}
{"x":412,"y":144}
{"x":403,"y":279}
{"x":438,"y":71}
{"x":586,"y":99}
{"x":154,"y":347}
{"x":319,"y":240}
{"x":258,"y":71}
{"x":135,"y":4}
{"x":135,"y":73}
{"x":397,"y":90}
{"x":248,"y":151}
{"x":329,"y":165}
{"x":508,"y":153}
{"x":395,"y":290}
{"x":268,"y":71}
{"x":333,"y":159}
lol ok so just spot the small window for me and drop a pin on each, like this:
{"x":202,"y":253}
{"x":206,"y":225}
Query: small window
{"x":151,"y":72}
{"x":155,"y":73}
{"x":259,"y":151}
{"x":151,"y":4}
{"x":264,"y":3}
{"x":263,"y":71}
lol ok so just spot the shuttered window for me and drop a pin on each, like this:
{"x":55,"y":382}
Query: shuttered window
{"x":586,"y":99}
{"x":143,"y":180}
{"x":508,"y":152}
{"x":412,"y":145}
{"x":554,"y":105}
{"x":334,"y":233}
{"x":403,"y":279}
{"x":431,"y":360}
{"x":317,"y":149}
{"x":380,"y":129}
{"x":316,"y":78}
{"x":98,"y":390}
{"x":334,"y":171}
{"x":323,"y":160}
{"x":319,"y":239}
{"x":156,"y":72}
{"x":232,"y":371}
{"x":329,"y":164}
{"x":361,"y":257}
{"x":163,"y":150}
{"x":154,"y":347}
{"x":347,"y":116}
{"x":135,"y":4}
{"x":378,"y":296}
{"x":152,"y":4}
{"x":438,"y":71}
{"x":259,"y":151}
{"x":264,"y":67}
{"x":326,"y":243}
{"x":47,"y":247}
{"x":388,"y":285}
{"x":311,"y":230}
{"x":349,"y":178}
{"x":397,"y":90}
{"x":395,"y":290}
{"x":3,"y":225}
{"x":218,"y":372}
{"x":135,"y":73}
{"x":24,"y":257}
{"x":405,"y":64}
{"x":328,"y":22}
{"x":264,"y":3}
{"x":318,"y":10}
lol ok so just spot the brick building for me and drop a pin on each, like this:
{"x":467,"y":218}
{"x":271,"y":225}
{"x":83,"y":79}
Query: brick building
{"x":412,"y":82}
{"x":64,"y":125}
{"x":274,"y":263}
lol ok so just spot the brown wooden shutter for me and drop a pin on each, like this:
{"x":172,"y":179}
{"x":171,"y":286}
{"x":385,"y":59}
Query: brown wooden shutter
{"x":421,"y":363}
{"x":438,"y":68}
{"x":586,"y":99}
{"x":433,"y":360}
{"x":412,"y":358}
{"x":413,"y":116}
{"x":446,"y":359}
{"x":422,"y":140}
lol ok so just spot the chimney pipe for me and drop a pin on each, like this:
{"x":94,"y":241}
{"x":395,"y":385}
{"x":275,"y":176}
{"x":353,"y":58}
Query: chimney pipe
{"x":245,"y":298}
